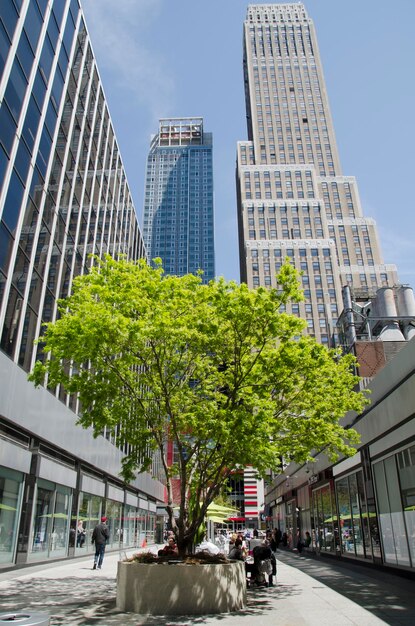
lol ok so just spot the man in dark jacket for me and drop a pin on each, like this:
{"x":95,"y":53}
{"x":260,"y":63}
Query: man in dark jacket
{"x":100,"y":536}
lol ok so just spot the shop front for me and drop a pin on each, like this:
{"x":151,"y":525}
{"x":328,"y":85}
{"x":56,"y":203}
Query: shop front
{"x":11,"y":488}
{"x":358,"y":524}
{"x":394,"y":477}
{"x":50,"y":523}
{"x":325,"y":530}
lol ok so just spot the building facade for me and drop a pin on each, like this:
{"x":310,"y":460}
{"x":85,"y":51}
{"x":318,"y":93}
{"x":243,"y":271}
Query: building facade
{"x":362,"y":507}
{"x":63,"y":196}
{"x":178,"y":223}
{"x":293,"y":200}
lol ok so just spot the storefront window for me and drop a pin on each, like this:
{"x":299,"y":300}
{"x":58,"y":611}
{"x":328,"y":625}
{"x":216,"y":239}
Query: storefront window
{"x":390,"y":509}
{"x":367,"y":519}
{"x":355,"y":520}
{"x":42,"y":519}
{"x":10,"y":498}
{"x":345,"y":514}
{"x":290,"y":523}
{"x":89,"y":515}
{"x":50,"y":528}
{"x":151,"y":527}
{"x":113,"y":513}
{"x":129,"y":535}
{"x":60,"y":521}
{"x":141,"y":526}
{"x":406,"y":470}
{"x":324,"y":522}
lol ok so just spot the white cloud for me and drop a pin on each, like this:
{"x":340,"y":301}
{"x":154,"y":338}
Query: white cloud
{"x":118,"y":30}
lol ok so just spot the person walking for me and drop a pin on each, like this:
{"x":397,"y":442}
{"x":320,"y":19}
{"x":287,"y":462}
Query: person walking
{"x":100,"y":536}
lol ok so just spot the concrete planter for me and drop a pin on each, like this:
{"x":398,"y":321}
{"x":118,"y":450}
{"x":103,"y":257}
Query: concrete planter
{"x":179,"y":589}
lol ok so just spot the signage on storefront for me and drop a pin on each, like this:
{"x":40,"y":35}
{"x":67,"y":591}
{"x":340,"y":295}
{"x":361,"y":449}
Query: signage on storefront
{"x":313,"y":479}
{"x":279,"y":500}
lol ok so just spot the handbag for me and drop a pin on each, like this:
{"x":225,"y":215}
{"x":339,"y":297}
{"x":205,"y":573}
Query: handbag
{"x":265,"y":567}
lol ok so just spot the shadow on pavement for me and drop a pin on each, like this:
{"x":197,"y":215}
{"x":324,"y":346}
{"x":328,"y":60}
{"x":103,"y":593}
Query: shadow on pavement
{"x":75,"y":601}
{"x":386,"y":595}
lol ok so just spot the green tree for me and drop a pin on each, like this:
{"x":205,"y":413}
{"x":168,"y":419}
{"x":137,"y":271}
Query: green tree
{"x":215,"y":368}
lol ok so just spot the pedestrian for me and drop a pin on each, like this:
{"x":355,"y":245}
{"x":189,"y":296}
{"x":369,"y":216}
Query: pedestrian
{"x":80,"y":535}
{"x":277,"y":536}
{"x":255,"y":541}
{"x":100,"y":536}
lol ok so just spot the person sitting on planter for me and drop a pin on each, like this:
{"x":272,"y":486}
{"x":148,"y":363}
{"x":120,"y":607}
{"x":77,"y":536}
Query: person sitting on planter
{"x":169,"y":549}
{"x":236,"y":552}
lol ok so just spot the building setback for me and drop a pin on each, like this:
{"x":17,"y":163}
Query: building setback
{"x":63,"y":195}
{"x":178,"y":224}
{"x":293,"y":200}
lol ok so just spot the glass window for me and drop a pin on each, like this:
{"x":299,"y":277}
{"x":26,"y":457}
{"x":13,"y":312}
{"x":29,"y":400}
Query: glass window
{"x":31,"y":123}
{"x":343,"y":504}
{"x":9,"y":16}
{"x":8,"y":127}
{"x":22,"y":160}
{"x":16,"y":89}
{"x":11,"y":484}
{"x":11,"y":209}
{"x":68,"y":35}
{"x":53,"y":30}
{"x":42,"y":6}
{"x":391,"y":520}
{"x":25,"y":54}
{"x":89,"y":513}
{"x":355,"y":509}
{"x":4,"y":48}
{"x":324,"y":522}
{"x":114,"y":513}
{"x":42,"y":519}
{"x":33,"y":24}
{"x":46,"y":59}
{"x":4,"y":162}
{"x":406,"y":470}
{"x":39,"y":89}
{"x":58,"y":9}
{"x":57,"y":88}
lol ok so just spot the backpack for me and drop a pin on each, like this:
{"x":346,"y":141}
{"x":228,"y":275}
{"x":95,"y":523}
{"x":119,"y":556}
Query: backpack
{"x":265,"y":567}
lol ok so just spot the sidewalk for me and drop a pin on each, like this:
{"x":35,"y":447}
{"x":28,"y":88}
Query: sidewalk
{"x":306,"y":594}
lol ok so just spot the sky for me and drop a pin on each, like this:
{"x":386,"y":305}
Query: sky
{"x":181,"y":58}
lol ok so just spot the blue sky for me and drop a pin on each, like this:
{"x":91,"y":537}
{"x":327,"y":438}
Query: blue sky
{"x":161,"y":58}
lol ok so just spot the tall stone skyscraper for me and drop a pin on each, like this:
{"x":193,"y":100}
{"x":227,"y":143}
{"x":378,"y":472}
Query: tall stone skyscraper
{"x":178,"y":205}
{"x":293,"y":200}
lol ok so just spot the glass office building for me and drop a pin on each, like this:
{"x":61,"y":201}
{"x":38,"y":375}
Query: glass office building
{"x":63,"y":195}
{"x":293,"y":199}
{"x":178,"y":224}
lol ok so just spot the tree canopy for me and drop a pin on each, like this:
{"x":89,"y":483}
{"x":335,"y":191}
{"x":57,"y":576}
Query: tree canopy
{"x":216,"y":368}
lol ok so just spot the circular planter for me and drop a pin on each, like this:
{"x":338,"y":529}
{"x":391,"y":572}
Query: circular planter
{"x":180,"y":589}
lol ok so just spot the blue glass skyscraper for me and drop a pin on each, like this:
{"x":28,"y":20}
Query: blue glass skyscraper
{"x":178,"y":204}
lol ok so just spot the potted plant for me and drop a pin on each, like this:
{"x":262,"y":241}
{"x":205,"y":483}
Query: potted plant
{"x":217,"y":369}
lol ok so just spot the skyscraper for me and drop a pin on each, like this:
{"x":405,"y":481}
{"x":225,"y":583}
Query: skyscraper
{"x":178,"y":205}
{"x":293,"y":200}
{"x":63,"y":195}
